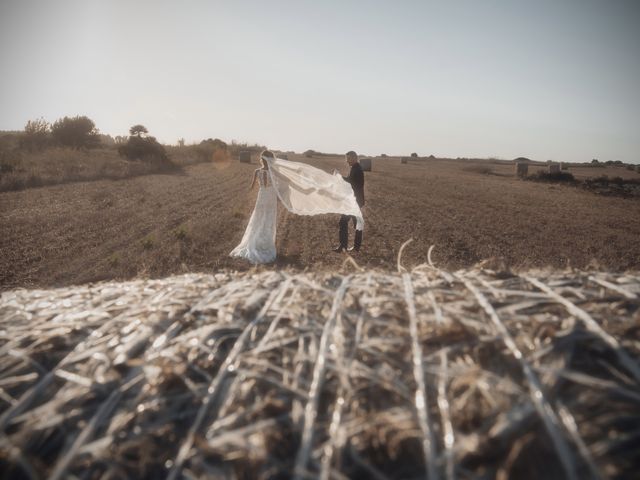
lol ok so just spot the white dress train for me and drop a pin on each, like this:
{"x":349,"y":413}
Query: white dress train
{"x":258,"y":244}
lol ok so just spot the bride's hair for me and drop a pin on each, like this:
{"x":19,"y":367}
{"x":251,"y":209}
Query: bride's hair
{"x":268,"y":154}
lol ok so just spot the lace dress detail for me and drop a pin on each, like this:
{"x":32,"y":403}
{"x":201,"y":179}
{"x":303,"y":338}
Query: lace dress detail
{"x":258,"y":244}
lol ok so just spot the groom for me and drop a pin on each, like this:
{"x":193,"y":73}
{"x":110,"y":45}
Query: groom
{"x":356,"y":179}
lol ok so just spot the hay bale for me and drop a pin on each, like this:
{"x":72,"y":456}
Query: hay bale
{"x":564,"y":166}
{"x":404,"y":160}
{"x":283,"y":156}
{"x":554,"y":168}
{"x":522,"y":169}
{"x":244,"y":372}
{"x":365,"y":163}
{"x":245,"y":156}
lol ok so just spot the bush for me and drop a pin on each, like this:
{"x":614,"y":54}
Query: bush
{"x":543,"y":176}
{"x":235,"y":148}
{"x":617,"y":186}
{"x":144,"y":148}
{"x":76,"y":132}
{"x":181,"y":233}
{"x":604,"y":180}
{"x":414,"y":155}
{"x":148,"y":242}
{"x":36,"y":135}
{"x":211,"y":150}
{"x":9,"y":161}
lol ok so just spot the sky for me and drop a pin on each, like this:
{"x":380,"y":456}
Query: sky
{"x":545,"y":79}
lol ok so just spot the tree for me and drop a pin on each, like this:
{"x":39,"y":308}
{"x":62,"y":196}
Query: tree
{"x":214,"y":143}
{"x":414,"y":155}
{"x":107,"y":140}
{"x":138,"y":130}
{"x":208,"y":148}
{"x":76,"y":132}
{"x":36,"y":134}
{"x":146,"y":148}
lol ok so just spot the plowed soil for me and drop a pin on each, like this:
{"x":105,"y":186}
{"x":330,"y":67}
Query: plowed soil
{"x":157,"y":225}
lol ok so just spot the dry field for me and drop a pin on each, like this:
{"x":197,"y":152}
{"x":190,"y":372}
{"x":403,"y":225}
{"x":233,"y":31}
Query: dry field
{"x":160,"y":224}
{"x":318,"y":368}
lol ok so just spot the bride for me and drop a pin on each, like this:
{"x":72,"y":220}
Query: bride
{"x":258,"y":244}
{"x":303,"y":190}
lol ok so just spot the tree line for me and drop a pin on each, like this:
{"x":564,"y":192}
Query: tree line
{"x":81,"y":132}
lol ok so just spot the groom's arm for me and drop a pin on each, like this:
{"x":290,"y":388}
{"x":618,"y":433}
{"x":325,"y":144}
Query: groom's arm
{"x":349,"y":178}
{"x":358,"y":179}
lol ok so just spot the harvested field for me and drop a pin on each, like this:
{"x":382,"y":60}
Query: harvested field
{"x":163,"y":224}
{"x":472,"y":374}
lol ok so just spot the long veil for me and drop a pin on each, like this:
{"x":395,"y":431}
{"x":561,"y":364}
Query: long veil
{"x":307,"y":190}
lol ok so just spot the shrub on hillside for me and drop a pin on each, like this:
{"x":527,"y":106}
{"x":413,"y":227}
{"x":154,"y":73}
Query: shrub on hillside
{"x":211,"y":149}
{"x":606,"y":181}
{"x":107,"y":140}
{"x":618,"y":186}
{"x":144,"y":148}
{"x":36,"y":135}
{"x":56,"y":165}
{"x":543,"y":176}
{"x":9,"y":161}
{"x":75,"y":132}
{"x":555,"y":177}
{"x":236,"y":147}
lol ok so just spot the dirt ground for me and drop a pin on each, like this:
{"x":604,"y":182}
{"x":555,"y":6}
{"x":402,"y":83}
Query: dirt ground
{"x":155,"y":225}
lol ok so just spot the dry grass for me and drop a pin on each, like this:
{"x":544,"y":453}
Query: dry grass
{"x":58,"y":165}
{"x":481,"y":169}
{"x":21,"y":169}
{"x":472,"y":374}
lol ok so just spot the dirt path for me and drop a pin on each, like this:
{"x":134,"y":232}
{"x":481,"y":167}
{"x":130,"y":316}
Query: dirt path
{"x":161,"y":224}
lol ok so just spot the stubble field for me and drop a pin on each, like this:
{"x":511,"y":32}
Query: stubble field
{"x":156,"y":225}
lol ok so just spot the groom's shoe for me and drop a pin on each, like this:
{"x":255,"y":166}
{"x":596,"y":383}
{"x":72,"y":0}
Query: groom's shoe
{"x":339,"y":249}
{"x":353,"y":249}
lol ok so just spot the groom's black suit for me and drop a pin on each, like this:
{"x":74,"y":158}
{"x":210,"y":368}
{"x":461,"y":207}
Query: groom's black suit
{"x":356,"y":179}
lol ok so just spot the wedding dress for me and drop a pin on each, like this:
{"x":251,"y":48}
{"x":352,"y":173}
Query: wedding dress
{"x":258,"y":244}
{"x":303,"y":190}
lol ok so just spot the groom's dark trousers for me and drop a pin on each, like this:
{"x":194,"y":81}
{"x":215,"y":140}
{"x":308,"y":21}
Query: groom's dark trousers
{"x":356,"y":179}
{"x":344,"y":232}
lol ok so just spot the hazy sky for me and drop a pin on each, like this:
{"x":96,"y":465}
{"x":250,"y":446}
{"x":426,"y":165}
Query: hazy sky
{"x":544,"y":79}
